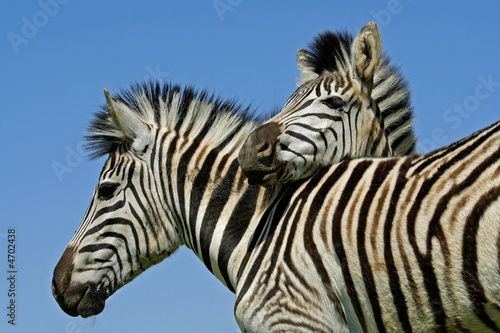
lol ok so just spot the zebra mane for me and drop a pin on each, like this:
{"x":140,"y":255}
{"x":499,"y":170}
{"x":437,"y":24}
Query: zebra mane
{"x":331,"y":52}
{"x":222,"y":123}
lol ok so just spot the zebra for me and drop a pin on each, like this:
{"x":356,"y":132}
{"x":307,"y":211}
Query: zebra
{"x":415,"y":238}
{"x":352,"y":103}
{"x":172,"y":178}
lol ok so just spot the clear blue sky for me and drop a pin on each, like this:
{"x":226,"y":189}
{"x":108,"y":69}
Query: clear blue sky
{"x":56,"y":60}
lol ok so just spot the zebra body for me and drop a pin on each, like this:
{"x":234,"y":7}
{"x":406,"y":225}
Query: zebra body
{"x":395,"y":244}
{"x":352,"y":103}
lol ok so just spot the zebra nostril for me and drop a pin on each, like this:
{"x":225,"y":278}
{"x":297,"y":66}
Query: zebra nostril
{"x":265,"y":155}
{"x":264,"y":148}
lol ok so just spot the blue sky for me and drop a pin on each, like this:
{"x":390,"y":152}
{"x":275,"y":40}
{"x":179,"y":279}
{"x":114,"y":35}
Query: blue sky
{"x":58,"y":55}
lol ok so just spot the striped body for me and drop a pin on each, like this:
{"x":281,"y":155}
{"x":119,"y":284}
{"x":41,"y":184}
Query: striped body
{"x":394,"y":244}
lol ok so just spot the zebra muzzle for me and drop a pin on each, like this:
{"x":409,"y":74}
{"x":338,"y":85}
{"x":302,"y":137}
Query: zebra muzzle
{"x":257,"y":156}
{"x":75,"y":299}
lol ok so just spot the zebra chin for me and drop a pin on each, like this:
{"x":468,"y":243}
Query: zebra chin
{"x":80,"y":300}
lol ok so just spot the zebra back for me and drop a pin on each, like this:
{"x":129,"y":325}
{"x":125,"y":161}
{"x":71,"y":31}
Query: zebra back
{"x":400,"y":244}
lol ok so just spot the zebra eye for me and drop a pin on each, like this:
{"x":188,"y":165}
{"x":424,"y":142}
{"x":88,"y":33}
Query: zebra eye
{"x":106,"y":190}
{"x":333,"y":102}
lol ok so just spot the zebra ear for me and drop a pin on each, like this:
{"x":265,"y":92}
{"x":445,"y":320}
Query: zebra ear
{"x":131,"y":128}
{"x":306,"y":67}
{"x":366,"y":52}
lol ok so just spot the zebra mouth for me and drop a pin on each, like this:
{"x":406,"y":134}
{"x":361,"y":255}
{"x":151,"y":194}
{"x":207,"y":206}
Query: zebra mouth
{"x":267,"y":178}
{"x":80,"y":300}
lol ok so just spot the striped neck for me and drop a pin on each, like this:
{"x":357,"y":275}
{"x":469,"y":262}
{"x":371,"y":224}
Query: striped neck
{"x":215,"y":210}
{"x":370,"y":137}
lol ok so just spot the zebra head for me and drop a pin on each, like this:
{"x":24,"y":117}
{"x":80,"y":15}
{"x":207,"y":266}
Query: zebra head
{"x":121,"y":234}
{"x":335,"y":113}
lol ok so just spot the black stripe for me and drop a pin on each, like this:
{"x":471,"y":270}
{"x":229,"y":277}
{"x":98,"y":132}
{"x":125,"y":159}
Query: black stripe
{"x":303,"y":138}
{"x":349,"y":131}
{"x":323,"y":116}
{"x":327,"y":82}
{"x":147,"y":218}
{"x":394,"y":281}
{"x":103,"y":246}
{"x":216,"y":204}
{"x":347,"y":87}
{"x":166,"y":180}
{"x":286,"y":148}
{"x":470,"y":255}
{"x":313,"y":129}
{"x":356,"y":132}
{"x":181,"y":180}
{"x":334,"y":134}
{"x":119,"y":169}
{"x":379,"y":176}
{"x":199,"y":187}
{"x":305,"y":105}
{"x":355,"y":176}
{"x":156,"y":140}
{"x":143,"y":228}
{"x":126,"y":246}
{"x":109,"y":209}
{"x":235,"y":228}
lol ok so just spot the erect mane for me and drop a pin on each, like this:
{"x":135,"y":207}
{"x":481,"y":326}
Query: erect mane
{"x":201,"y":115}
{"x":331,"y":52}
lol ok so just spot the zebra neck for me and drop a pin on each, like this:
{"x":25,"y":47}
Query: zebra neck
{"x":218,"y":211}
{"x":370,"y":136}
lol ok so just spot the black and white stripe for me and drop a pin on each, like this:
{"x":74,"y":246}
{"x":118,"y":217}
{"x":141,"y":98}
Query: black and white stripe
{"x":408,"y":244}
